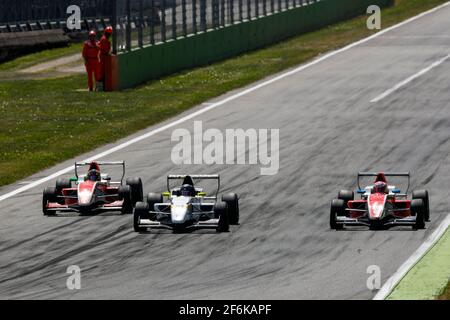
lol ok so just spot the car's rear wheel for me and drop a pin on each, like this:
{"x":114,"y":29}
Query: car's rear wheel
{"x":346,"y":195}
{"x":62,"y":183}
{"x":337,"y":209}
{"x":153,"y":198}
{"x":140,"y":212}
{"x":49,"y":195}
{"x":137,"y":193}
{"x":125,"y":195}
{"x":221,"y":210}
{"x":232,"y":200}
{"x":418,"y":209}
{"x":423,"y":194}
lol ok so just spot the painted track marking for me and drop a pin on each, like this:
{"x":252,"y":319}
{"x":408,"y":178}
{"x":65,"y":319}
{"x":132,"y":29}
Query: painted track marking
{"x":410,"y":79}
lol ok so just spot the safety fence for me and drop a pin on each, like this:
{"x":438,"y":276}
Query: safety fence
{"x":152,"y":43}
{"x":147,"y":22}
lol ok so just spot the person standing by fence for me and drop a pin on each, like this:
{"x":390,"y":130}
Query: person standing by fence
{"x":91,"y":49}
{"x":105,"y":52}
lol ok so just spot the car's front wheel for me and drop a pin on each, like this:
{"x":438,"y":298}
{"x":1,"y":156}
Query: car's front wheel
{"x":49,"y":195}
{"x":418,"y":209}
{"x":423,"y":194}
{"x":232,"y":200}
{"x":337,"y":209}
{"x":140,"y":212}
{"x":221,"y":210}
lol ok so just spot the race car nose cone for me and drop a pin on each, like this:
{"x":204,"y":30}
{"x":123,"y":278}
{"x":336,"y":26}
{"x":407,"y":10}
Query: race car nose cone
{"x":178,"y":213}
{"x":377,"y":211}
{"x":84,"y":198}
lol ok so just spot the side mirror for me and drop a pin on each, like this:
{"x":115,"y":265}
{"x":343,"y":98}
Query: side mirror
{"x":73,"y":179}
{"x":166,"y":194}
{"x":396,"y":191}
{"x":201,"y":194}
{"x":361,"y":191}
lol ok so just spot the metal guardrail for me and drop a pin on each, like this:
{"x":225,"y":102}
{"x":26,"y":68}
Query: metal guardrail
{"x":13,"y":12}
{"x":86,"y":24}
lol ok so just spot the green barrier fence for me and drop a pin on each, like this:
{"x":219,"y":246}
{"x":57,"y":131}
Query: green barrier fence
{"x":153,"y":61}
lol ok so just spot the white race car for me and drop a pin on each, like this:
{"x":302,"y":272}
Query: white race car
{"x":187,"y":207}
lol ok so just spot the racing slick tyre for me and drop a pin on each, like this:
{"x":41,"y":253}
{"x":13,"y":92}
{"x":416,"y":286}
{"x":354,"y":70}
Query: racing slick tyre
{"x":140,"y":212}
{"x":233,"y":207}
{"x":49,"y":195}
{"x":346,"y":195}
{"x":137,"y":193}
{"x":337,"y":209}
{"x":125,"y":195}
{"x":221,"y":210}
{"x":153,"y":198}
{"x":418,"y":209}
{"x":423,"y":194}
{"x":62,"y":183}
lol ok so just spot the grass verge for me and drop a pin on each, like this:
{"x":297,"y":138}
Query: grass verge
{"x":47,"y":121}
{"x":428,"y":278}
{"x":40,"y":57}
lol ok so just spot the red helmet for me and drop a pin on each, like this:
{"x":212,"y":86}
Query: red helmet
{"x":94,"y":165}
{"x":380,"y":187}
{"x":92,"y":33}
{"x":108,"y":30}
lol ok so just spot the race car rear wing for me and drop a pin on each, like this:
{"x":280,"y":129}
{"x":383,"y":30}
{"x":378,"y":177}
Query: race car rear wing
{"x":194,"y":176}
{"x":386,"y":174}
{"x":101,"y":164}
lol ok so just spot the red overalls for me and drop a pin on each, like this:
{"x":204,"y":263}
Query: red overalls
{"x":105,"y":51}
{"x":90,"y":54}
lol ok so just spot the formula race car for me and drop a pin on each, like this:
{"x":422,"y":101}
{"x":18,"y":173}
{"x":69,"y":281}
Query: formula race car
{"x":187,"y":207}
{"x":92,"y":192}
{"x":381,"y":205}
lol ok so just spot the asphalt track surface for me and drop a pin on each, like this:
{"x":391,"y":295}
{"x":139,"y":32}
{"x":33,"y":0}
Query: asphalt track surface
{"x":283,"y":248}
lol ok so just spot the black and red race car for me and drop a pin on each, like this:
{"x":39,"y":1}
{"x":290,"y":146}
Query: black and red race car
{"x":380,"y":205}
{"x":93,"y":191}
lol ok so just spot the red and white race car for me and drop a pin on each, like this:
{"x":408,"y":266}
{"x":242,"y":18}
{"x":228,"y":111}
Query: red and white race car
{"x":93,"y":191}
{"x":381,"y":205}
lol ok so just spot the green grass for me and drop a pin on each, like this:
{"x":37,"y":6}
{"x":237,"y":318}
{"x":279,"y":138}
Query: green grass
{"x":428,"y":276}
{"x":47,"y":121}
{"x":40,"y":57}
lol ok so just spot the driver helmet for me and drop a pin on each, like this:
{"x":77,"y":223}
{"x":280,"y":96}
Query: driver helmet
{"x":187,"y":190}
{"x":93,"y":175}
{"x":380,"y":187}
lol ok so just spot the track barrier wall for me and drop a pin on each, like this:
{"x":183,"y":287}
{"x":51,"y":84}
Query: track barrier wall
{"x":141,"y":64}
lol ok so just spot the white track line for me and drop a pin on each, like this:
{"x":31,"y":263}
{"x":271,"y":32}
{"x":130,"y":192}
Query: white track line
{"x":219,"y":103}
{"x":408,"y":80}
{"x":390,"y":284}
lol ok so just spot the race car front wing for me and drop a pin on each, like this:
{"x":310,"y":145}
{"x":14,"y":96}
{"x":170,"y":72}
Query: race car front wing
{"x":208,"y":224}
{"x":408,"y":221}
